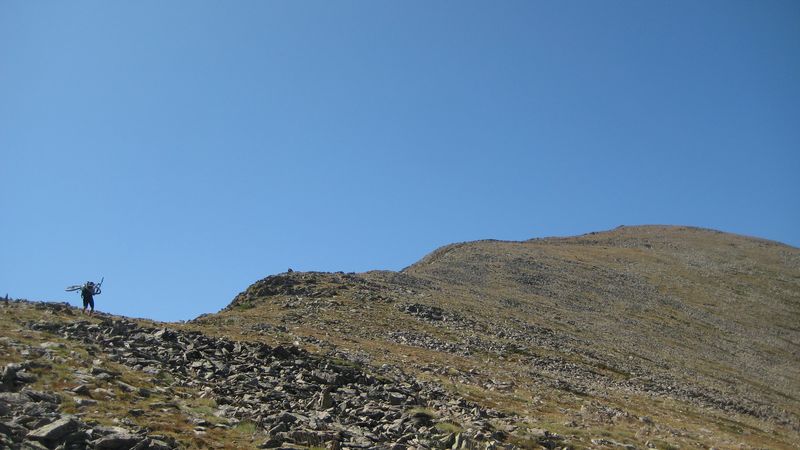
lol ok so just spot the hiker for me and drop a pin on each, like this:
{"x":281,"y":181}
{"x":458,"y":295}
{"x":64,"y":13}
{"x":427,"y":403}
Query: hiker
{"x":88,"y":291}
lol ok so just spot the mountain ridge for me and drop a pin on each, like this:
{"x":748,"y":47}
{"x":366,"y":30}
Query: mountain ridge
{"x":683,"y":275}
{"x":645,"y":227}
{"x":637,"y":337}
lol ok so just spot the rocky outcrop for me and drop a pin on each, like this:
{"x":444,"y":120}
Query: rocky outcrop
{"x":31,"y":419}
{"x":305,"y":284}
{"x":291,"y":395}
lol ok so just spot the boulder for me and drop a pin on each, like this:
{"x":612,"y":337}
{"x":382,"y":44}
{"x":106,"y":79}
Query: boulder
{"x":325,"y":400}
{"x":32,"y":445}
{"x":55,"y":430}
{"x":81,"y":402}
{"x":10,"y":372}
{"x":155,"y":444}
{"x":118,"y":441}
{"x":13,"y":399}
{"x":40,"y":396}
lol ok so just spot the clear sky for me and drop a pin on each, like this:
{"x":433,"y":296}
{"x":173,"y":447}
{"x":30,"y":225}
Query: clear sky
{"x":186,"y":149}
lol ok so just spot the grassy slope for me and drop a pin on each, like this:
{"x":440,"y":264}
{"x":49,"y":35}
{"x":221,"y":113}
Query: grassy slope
{"x":712,"y":302}
{"x":712,"y":311}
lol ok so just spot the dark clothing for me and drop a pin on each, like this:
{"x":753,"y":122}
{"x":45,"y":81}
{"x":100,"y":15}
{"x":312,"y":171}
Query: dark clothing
{"x":87,"y":293}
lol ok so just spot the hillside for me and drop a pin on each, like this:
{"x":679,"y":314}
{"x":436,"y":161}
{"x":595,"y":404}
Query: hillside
{"x":639,"y":337}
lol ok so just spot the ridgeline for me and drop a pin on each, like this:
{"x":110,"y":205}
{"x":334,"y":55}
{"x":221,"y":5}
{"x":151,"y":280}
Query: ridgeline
{"x":639,"y":337}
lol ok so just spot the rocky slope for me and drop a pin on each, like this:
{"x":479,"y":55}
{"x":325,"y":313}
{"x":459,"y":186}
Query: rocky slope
{"x":641,"y":337}
{"x":692,"y":328}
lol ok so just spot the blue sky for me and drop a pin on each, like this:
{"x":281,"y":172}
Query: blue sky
{"x":186,"y":149}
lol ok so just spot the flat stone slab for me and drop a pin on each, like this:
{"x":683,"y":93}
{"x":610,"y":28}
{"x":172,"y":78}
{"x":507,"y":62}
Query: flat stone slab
{"x":55,"y":430}
{"x":118,"y":441}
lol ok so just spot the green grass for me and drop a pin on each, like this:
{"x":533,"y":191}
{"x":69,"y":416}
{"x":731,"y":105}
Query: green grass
{"x":244,"y":306}
{"x":448,"y":427}
{"x":165,"y":378}
{"x":246,"y":427}
{"x":205,"y":407}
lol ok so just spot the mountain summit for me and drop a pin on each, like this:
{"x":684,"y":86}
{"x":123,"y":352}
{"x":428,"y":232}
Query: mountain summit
{"x":638,"y":337}
{"x":690,"y":327}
